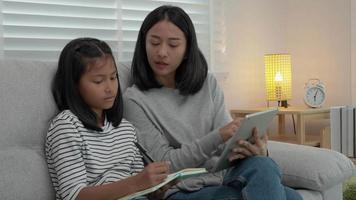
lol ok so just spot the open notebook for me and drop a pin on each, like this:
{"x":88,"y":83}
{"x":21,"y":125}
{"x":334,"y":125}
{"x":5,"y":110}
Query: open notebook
{"x":182,"y":174}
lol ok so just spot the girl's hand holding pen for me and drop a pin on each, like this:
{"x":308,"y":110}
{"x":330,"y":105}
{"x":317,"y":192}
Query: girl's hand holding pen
{"x":159,"y":194}
{"x":153,"y":174}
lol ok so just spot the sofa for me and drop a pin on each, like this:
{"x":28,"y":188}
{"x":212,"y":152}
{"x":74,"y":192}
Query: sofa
{"x":27,"y":106}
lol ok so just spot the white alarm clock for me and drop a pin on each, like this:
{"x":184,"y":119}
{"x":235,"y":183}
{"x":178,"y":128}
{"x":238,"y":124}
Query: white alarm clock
{"x":315,"y":93}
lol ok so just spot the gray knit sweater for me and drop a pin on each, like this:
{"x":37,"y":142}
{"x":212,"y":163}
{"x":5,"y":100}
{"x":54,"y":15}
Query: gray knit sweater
{"x":181,"y":129}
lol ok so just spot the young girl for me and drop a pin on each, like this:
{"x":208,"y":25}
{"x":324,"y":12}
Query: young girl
{"x":180,"y":112}
{"x":90,"y":148}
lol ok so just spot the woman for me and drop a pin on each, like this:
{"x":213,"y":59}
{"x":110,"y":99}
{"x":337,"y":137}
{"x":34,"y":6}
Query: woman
{"x":179,"y":111}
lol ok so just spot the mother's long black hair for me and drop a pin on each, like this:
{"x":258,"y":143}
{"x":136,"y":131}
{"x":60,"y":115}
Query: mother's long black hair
{"x":191,"y":73}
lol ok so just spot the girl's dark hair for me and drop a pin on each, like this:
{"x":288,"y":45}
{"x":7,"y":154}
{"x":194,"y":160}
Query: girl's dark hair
{"x":72,"y":63}
{"x":191,"y":73}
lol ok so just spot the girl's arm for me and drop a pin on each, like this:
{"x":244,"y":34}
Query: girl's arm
{"x":153,"y":174}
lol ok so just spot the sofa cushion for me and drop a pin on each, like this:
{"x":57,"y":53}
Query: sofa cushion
{"x":24,"y":175}
{"x":310,"y":167}
{"x":26,"y":102}
{"x":26,"y":97}
{"x":310,"y":194}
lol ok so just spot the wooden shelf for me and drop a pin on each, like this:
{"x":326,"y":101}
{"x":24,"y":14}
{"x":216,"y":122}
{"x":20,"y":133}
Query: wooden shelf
{"x":302,"y":115}
{"x":311,"y":140}
{"x":353,"y":160}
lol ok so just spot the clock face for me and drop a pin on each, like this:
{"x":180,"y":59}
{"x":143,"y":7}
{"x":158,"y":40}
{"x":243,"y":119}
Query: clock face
{"x":314,"y":97}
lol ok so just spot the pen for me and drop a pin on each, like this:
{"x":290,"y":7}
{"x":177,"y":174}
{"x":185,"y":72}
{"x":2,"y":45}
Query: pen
{"x":144,"y":152}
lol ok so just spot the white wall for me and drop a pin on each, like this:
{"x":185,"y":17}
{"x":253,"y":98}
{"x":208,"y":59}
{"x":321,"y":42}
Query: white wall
{"x":316,"y":33}
{"x":353,"y":51}
{"x":1,"y":33}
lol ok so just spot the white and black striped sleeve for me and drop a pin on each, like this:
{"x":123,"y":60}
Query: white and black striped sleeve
{"x":137,"y":164}
{"x":65,"y":159}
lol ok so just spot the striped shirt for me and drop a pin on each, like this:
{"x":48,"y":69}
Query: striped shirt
{"x":78,"y":157}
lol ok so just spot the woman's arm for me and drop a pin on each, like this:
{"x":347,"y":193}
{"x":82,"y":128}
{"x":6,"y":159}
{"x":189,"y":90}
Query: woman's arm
{"x":188,"y":154}
{"x":158,"y":146}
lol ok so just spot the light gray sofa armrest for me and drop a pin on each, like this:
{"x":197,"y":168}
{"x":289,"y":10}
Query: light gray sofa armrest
{"x":310,"y":167}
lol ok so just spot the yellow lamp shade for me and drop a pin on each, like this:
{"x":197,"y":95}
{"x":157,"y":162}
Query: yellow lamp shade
{"x":278,"y":77}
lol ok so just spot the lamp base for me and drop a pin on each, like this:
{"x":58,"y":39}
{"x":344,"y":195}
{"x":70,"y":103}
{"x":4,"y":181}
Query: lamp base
{"x":283,"y":103}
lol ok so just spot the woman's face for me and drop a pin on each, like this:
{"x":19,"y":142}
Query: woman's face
{"x":165,"y":48}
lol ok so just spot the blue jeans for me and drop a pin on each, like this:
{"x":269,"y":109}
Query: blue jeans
{"x":254,"y":178}
{"x":140,"y":198}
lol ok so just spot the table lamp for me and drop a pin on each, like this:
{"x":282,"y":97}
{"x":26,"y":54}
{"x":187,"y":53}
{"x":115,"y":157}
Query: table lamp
{"x":278,"y":78}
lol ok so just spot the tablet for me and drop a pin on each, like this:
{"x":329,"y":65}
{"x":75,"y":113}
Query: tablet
{"x":260,"y":120}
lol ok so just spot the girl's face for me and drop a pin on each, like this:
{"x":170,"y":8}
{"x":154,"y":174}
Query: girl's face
{"x":98,"y":86}
{"x":165,"y":49}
